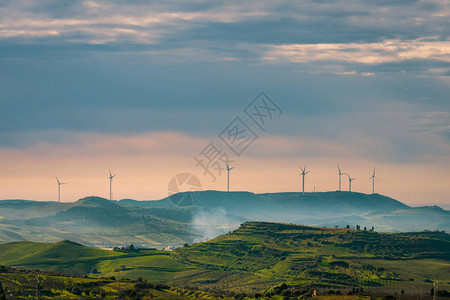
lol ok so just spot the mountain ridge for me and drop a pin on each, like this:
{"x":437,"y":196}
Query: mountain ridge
{"x":96,"y":221}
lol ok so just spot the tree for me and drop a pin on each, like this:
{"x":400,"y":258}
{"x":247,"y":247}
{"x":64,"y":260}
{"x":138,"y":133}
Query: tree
{"x":338,"y":263}
{"x":76,"y":291}
{"x":2,"y":292}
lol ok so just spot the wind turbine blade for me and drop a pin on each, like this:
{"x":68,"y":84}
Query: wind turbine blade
{"x":339,"y":169}
{"x":307,"y":172}
{"x":57,"y":180}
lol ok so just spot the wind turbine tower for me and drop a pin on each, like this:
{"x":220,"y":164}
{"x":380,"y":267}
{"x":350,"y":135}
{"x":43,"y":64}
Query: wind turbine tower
{"x":111,"y":176}
{"x":228,"y":170}
{"x":59,"y":188}
{"x":350,"y":182}
{"x":303,"y":173}
{"x":373,"y":180}
{"x":340,"y":174}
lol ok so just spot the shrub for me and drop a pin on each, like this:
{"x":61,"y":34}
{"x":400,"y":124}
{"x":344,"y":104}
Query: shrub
{"x":76,"y":291}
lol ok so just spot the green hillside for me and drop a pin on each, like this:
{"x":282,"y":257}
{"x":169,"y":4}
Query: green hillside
{"x":258,"y":256}
{"x":64,"y":256}
{"x":32,"y":284}
{"x":262,"y":254}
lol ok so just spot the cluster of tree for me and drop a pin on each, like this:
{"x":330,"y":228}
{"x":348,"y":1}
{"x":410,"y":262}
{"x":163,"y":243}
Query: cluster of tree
{"x":358,"y":227}
{"x":338,"y":263}
{"x":2,"y":292}
{"x":128,"y":249}
{"x":286,"y":291}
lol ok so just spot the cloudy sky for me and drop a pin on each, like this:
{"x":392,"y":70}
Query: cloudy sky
{"x":143,"y":87}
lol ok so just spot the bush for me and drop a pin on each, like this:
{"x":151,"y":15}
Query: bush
{"x":76,"y":291}
{"x":338,"y":263}
{"x":2,"y":292}
{"x":443,"y":293}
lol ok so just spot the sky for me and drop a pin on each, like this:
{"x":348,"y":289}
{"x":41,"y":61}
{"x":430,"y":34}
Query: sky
{"x":144,"y":87}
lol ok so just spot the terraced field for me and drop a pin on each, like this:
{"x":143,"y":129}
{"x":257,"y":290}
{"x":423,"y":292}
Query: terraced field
{"x":259,"y":257}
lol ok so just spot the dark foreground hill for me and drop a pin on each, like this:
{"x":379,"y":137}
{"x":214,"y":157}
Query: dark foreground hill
{"x":260,"y":257}
{"x":95,"y":221}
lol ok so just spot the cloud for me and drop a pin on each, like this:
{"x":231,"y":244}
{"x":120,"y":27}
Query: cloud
{"x":363,"y":53}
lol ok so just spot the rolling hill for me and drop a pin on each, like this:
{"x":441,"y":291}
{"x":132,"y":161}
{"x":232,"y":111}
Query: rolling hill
{"x":259,"y":256}
{"x":98,"y":222}
{"x":320,"y":209}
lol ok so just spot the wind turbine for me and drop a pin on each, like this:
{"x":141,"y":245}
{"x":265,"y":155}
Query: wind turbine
{"x":303,"y":173}
{"x":59,"y":188}
{"x":340,"y":173}
{"x":350,"y":182}
{"x":228,"y":170}
{"x":373,"y":180}
{"x":111,"y":176}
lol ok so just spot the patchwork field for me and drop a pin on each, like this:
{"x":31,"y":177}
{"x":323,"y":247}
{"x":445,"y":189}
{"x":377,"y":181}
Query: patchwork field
{"x":265,"y":258}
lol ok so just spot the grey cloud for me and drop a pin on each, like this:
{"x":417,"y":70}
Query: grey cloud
{"x":186,"y":79}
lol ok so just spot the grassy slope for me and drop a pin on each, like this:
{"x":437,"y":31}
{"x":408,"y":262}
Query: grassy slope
{"x":22,"y":285}
{"x":73,"y":258}
{"x":64,"y":256}
{"x":260,"y":254}
{"x":153,"y":265}
{"x":257,"y":256}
